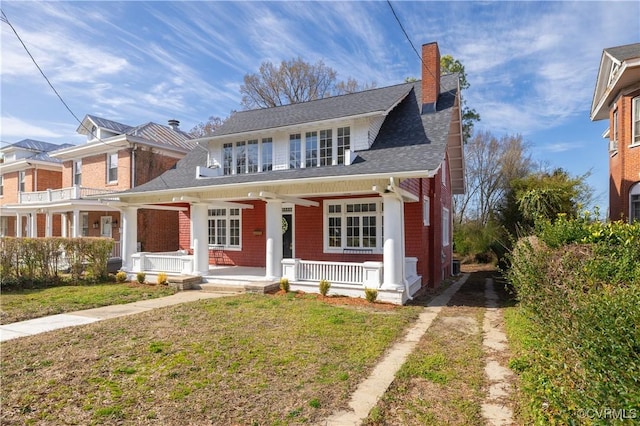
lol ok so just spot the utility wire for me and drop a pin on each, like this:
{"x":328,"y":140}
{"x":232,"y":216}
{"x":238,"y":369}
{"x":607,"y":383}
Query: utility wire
{"x":5,"y":19}
{"x":409,"y":40}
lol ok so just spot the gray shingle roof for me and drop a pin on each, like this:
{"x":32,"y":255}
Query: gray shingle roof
{"x":626,"y":52}
{"x":368,"y":101}
{"x":408,"y":141}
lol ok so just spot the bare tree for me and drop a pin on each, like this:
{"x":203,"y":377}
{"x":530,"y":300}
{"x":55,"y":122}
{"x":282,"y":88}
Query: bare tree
{"x":207,"y":128}
{"x":291,"y":82}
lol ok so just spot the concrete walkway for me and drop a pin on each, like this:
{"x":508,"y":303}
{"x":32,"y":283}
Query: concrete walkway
{"x":55,"y":322}
{"x":371,"y":390}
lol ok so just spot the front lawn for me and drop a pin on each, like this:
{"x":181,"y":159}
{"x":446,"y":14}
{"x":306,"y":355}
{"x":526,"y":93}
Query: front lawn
{"x":249,"y":359}
{"x":20,"y":305}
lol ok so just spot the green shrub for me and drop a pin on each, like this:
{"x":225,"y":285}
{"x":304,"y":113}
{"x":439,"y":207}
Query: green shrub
{"x":121,"y":276}
{"x":371,"y":294}
{"x":162,"y":278}
{"x":140,"y":277}
{"x":578,"y":284}
{"x":284,"y":284}
{"x":324,"y":287}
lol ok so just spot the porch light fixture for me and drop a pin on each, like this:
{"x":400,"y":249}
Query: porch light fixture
{"x":96,"y":224}
{"x":115,"y":222}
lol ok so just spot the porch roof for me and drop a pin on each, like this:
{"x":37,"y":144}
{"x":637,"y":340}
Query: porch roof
{"x":409,"y":143}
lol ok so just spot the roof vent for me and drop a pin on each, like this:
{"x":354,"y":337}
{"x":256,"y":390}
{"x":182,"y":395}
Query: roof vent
{"x":174,"y":124}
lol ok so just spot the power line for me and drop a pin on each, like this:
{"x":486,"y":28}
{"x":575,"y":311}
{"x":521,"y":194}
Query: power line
{"x":5,"y":19}
{"x":424,"y":66}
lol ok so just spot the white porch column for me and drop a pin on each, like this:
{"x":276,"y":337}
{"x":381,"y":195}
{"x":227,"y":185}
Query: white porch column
{"x":18,"y":225}
{"x":274,"y":239}
{"x":129,"y":236}
{"x":200,"y":237}
{"x":33,"y":228}
{"x":393,"y":255}
{"x":48,"y":225}
{"x":64,"y":223}
{"x":75,"y":225}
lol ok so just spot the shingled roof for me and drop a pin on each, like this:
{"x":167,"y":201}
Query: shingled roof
{"x":415,"y":142}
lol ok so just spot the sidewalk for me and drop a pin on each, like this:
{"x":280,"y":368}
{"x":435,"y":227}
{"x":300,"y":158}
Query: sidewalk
{"x":55,"y":322}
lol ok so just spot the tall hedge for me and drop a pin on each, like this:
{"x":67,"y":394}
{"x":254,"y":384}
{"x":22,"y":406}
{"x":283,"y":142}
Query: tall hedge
{"x":578,"y":284}
{"x":40,"y":260}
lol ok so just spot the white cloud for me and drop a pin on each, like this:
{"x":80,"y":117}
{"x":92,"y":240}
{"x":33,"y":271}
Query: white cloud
{"x":15,"y":128}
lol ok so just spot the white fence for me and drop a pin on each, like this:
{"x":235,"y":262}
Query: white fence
{"x":169,"y":262}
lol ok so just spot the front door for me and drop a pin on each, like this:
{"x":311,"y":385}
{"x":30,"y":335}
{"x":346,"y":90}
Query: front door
{"x":105,"y":226}
{"x":287,"y":236}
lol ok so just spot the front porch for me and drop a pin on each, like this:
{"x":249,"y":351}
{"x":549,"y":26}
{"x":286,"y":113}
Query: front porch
{"x":346,"y":278}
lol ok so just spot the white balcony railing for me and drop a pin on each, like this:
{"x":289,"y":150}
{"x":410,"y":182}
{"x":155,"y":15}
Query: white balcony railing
{"x":61,"y":194}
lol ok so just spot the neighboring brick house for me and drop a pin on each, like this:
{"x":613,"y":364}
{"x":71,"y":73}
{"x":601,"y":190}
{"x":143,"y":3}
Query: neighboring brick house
{"x":27,"y":167}
{"x":356,"y":189}
{"x":116,"y":157}
{"x":617,"y":99}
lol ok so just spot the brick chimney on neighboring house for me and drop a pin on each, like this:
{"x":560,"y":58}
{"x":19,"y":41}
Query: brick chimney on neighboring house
{"x":430,"y":76}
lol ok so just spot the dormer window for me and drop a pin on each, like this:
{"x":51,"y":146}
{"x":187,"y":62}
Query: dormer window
{"x":94,"y":133}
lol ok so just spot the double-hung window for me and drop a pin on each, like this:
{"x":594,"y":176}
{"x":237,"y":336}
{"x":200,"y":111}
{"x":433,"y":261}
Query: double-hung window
{"x":22,"y":177}
{"x":446,"y":227}
{"x":112,"y":167}
{"x":613,"y":146}
{"x":295,"y":151}
{"x":266,"y":154}
{"x":224,"y":227}
{"x":252,"y":156}
{"x":227,"y":160}
{"x":353,"y":224}
{"x":77,"y":172}
{"x":311,"y":149}
{"x":326,"y":148}
{"x":344,"y":142}
{"x":634,"y":203}
{"x":636,"y":121}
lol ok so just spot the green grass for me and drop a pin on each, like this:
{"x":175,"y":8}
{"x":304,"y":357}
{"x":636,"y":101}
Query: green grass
{"x":249,"y":359}
{"x":20,"y":305}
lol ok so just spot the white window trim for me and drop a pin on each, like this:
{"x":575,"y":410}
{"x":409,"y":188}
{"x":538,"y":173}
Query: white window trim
{"x":379,"y":214}
{"x":634,"y":190}
{"x":446,"y":227}
{"x":635,"y":124}
{"x":426,"y":213}
{"x":228,"y":218}
{"x":77,"y":171}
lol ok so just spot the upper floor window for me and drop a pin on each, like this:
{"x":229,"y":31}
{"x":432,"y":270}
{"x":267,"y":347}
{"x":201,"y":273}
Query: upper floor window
{"x":634,"y":203}
{"x":426,"y":207}
{"x":224,"y":227}
{"x":614,"y":133}
{"x":311,"y":149}
{"x":446,"y":227}
{"x":247,"y":156}
{"x":1,"y":186}
{"x":295,"y":151}
{"x":344,"y":142}
{"x":21,"y":181}
{"x":636,"y":121}
{"x":326,"y":148}
{"x":77,"y":172}
{"x":112,"y":167}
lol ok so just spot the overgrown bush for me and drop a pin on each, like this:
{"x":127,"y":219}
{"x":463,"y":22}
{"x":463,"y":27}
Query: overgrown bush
{"x":476,"y":242}
{"x":324,"y":287}
{"x":29,"y":261}
{"x":578,"y":284}
{"x":121,"y":277}
{"x":284,"y":284}
{"x":371,"y":294}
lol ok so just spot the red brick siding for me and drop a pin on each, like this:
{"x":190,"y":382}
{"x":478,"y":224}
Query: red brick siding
{"x":48,"y":179}
{"x":10,"y":188}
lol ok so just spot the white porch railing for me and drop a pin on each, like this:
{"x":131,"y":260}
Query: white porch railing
{"x":115,"y":251}
{"x":169,"y":262}
{"x":61,"y":194}
{"x":366,"y":274}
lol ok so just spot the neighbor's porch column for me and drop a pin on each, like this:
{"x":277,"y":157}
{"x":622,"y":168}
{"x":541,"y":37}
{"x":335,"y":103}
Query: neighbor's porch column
{"x":200,"y":238}
{"x":393,"y":255}
{"x":48,"y":224}
{"x":18,"y":225}
{"x":64,"y":224}
{"x":33,"y":228}
{"x":129,"y":236}
{"x":274,"y":239}
{"x":75,"y":225}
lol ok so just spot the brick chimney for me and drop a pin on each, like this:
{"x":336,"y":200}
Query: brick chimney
{"x":430,"y":76}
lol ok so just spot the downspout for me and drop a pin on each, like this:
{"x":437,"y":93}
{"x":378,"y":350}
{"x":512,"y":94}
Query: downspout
{"x":392,"y":186}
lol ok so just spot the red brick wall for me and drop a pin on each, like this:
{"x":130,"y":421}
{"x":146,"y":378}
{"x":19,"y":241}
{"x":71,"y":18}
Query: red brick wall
{"x":10,"y":188}
{"x":624,"y":166}
{"x":48,"y":179}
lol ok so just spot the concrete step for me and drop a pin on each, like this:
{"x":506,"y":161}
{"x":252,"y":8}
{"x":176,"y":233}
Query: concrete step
{"x":237,"y":286}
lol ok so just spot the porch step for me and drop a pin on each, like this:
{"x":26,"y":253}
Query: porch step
{"x":237,"y":286}
{"x":184,"y":282}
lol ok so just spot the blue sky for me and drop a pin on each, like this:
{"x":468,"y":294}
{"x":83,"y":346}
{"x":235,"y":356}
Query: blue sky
{"x":531,"y":65}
